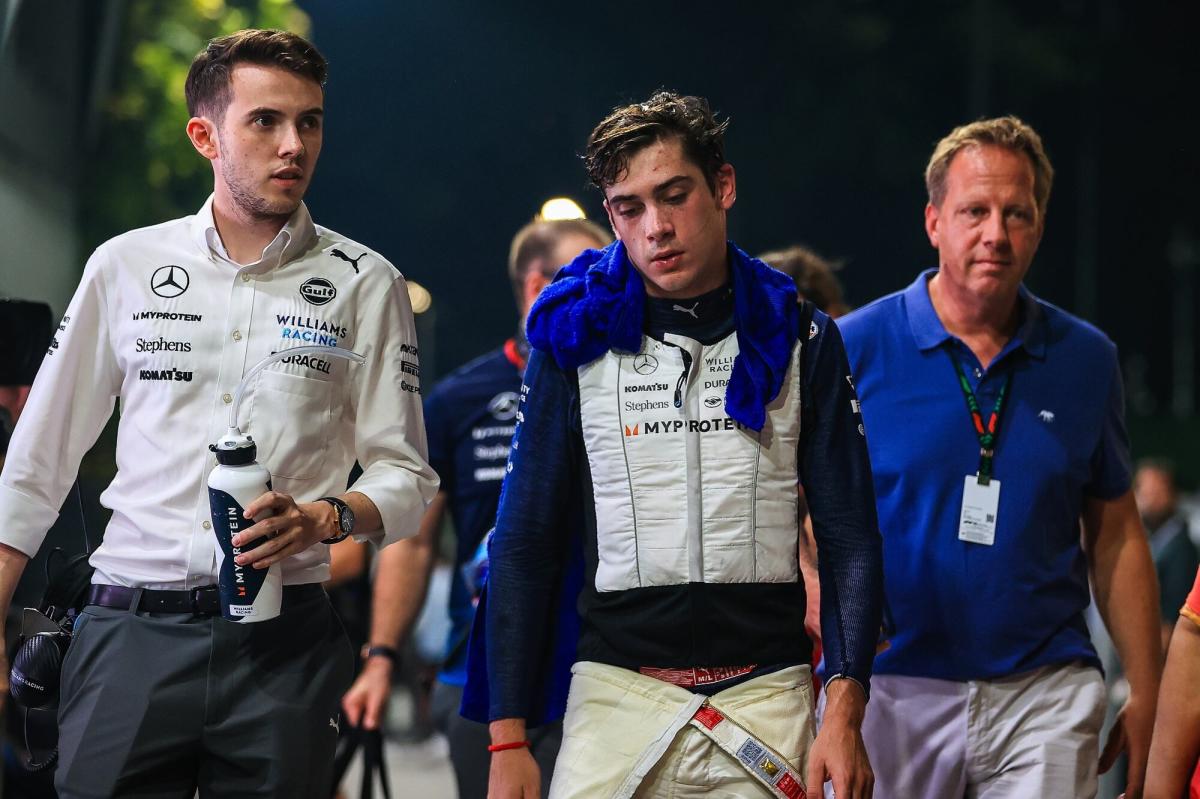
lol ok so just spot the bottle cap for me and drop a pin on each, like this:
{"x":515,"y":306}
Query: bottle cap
{"x":235,"y":449}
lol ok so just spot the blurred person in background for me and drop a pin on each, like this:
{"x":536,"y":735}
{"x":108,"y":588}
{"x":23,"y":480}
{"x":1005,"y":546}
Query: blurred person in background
{"x":997,"y":437}
{"x":1175,"y":557}
{"x":816,"y":278}
{"x":469,"y":420}
{"x":25,"y":329}
{"x":159,"y":696}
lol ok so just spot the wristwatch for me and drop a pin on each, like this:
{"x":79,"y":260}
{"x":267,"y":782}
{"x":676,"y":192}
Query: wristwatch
{"x":345,"y":519}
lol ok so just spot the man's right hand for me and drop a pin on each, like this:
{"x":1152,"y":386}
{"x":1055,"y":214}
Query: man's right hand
{"x":514,"y":775}
{"x":367,"y":699}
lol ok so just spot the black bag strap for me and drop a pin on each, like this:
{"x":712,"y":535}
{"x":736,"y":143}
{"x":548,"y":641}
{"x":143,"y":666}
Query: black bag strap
{"x":371,"y":743}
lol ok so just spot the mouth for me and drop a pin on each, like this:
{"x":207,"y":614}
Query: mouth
{"x":668,"y":259}
{"x":287,"y":177}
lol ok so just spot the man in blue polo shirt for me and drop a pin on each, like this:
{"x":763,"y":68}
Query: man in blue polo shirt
{"x":995,"y":426}
{"x":469,"y":419}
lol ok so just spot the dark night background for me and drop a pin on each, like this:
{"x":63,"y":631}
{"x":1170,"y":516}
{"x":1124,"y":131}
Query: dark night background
{"x":449,"y":124}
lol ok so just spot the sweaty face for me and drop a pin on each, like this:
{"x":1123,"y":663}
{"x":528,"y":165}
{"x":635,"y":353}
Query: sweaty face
{"x":987,"y":227}
{"x":269,"y":140}
{"x":671,"y":223}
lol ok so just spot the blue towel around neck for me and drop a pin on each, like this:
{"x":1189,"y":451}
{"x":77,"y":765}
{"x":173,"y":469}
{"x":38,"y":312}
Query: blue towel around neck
{"x":597,"y":304}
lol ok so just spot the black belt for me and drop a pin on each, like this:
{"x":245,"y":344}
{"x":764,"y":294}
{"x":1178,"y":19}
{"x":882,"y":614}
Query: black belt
{"x":202,"y":601}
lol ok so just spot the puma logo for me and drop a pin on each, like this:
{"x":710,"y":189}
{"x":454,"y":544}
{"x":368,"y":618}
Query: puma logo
{"x":1046,"y":416}
{"x":352,"y":261}
{"x":691,"y":310}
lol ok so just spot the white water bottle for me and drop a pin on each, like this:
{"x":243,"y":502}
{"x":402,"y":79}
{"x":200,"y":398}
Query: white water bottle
{"x":247,"y":594}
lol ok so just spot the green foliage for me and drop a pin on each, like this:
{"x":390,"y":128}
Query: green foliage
{"x":144,"y":170}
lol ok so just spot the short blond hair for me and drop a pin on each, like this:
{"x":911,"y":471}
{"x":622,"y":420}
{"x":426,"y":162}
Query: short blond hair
{"x":534,"y":245}
{"x":1008,"y":132}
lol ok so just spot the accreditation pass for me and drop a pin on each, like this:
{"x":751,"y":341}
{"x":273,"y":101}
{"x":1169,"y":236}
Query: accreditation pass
{"x":977,"y":521}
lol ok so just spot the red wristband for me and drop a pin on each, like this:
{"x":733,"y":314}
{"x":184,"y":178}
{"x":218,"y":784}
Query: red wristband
{"x":507,"y":746}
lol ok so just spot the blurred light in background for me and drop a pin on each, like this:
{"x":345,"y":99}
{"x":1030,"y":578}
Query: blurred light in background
{"x":419,"y":296}
{"x":561,"y":208}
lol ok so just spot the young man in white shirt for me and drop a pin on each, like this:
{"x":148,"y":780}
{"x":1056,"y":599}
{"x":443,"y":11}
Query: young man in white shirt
{"x":159,"y":695}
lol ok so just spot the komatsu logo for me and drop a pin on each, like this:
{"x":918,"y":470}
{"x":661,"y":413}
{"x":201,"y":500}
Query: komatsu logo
{"x":648,"y":387}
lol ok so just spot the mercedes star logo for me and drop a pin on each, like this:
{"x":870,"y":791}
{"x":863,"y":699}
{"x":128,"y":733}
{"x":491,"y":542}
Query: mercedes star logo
{"x":645,"y":364}
{"x":169,"y":281}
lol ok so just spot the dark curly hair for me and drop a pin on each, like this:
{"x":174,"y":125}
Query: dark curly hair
{"x":630,"y":128}
{"x":207,"y":86}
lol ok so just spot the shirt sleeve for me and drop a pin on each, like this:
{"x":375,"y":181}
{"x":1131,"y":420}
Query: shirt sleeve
{"x":529,"y":546}
{"x":389,"y":427}
{"x":70,"y":402}
{"x":437,"y":431}
{"x":836,"y":475}
{"x":1111,"y":463}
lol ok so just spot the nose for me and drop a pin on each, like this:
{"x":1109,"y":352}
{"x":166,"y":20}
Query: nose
{"x":291,"y":145}
{"x":995,"y":230}
{"x":659,"y":224}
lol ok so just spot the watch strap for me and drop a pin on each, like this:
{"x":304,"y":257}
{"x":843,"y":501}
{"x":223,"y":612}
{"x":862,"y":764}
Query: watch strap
{"x":379,"y":650}
{"x":340,"y":507}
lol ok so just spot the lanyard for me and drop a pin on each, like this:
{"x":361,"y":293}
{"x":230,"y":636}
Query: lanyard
{"x":989,"y":433}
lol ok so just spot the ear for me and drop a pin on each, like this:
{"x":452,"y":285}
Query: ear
{"x":726,"y":187}
{"x":612,"y":223}
{"x":932,"y":217}
{"x":203,"y":135}
{"x":532,"y":286}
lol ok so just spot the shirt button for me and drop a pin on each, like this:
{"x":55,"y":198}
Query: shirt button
{"x":978,"y":372}
{"x":245,"y":278}
{"x":237,"y":335}
{"x":227,"y":398}
{"x":206,"y":525}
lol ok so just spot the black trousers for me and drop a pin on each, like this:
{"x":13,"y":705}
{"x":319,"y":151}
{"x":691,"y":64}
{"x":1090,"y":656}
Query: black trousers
{"x":163,"y":705}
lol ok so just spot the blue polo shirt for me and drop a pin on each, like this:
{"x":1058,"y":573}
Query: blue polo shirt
{"x":962,"y":610}
{"x":469,"y":421}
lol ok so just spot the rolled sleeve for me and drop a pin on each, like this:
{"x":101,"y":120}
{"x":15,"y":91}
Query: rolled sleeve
{"x":389,"y":430}
{"x":71,"y":399}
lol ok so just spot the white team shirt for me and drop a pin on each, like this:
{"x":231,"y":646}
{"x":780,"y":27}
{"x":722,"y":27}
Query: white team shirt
{"x":165,"y":321}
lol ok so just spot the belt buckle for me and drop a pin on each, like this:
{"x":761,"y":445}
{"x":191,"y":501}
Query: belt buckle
{"x":205,"y":601}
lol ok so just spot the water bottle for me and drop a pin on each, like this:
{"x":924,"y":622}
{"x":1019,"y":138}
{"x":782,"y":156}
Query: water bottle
{"x":247,"y":594}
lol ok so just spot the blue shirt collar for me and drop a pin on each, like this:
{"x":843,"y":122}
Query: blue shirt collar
{"x":929,"y":332}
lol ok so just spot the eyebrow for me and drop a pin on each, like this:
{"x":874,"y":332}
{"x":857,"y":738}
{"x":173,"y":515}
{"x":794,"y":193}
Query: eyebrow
{"x":264,"y":110}
{"x":659,"y":189}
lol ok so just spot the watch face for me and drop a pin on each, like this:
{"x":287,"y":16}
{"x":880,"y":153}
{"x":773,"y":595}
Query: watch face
{"x":346,"y":520}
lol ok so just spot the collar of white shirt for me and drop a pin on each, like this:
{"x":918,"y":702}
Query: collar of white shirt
{"x":293,"y":239}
